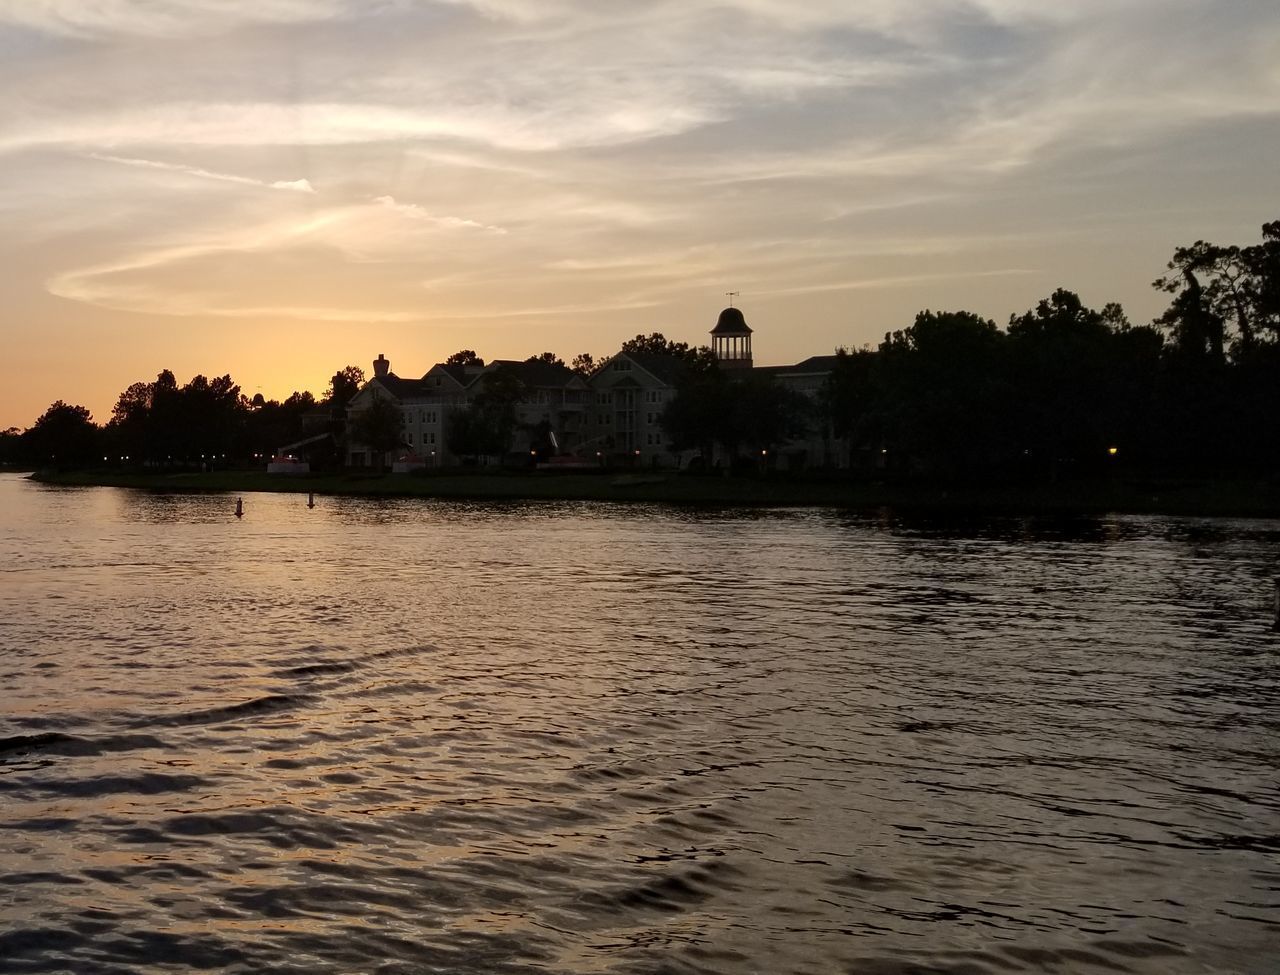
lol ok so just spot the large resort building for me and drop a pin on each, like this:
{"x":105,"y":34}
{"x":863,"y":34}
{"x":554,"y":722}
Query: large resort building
{"x":610,"y":416}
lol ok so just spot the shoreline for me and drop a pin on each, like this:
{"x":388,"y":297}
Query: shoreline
{"x":1225,"y":498}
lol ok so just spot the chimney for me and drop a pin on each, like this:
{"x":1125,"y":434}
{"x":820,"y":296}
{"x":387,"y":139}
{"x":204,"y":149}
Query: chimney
{"x":381,"y":366}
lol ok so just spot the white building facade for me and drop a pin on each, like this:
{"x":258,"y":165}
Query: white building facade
{"x":611,"y":417}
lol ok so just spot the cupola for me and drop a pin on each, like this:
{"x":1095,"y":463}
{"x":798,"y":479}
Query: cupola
{"x":731,"y":340}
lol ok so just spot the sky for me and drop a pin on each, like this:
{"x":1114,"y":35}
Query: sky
{"x":278,"y":188}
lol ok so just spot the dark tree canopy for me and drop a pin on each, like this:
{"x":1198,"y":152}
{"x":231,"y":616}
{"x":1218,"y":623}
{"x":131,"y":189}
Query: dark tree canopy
{"x":486,"y":427}
{"x":12,"y":450}
{"x":712,"y":407}
{"x":379,"y":426}
{"x":1225,"y":297}
{"x":161,"y":421}
{"x":940,"y":385}
{"x":346,"y":382}
{"x":657,"y":344}
{"x":63,"y":436}
{"x":466,"y":357}
{"x":272,"y":425}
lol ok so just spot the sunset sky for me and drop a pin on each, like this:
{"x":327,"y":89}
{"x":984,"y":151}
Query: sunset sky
{"x":277,"y":188}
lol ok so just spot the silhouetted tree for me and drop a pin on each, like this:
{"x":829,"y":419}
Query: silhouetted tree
{"x":273,"y":424}
{"x":657,"y":344}
{"x":764,"y":414}
{"x":852,"y":400}
{"x":1224,"y":294}
{"x":584,"y":364}
{"x":64,"y":436}
{"x":128,"y":430}
{"x":209,"y":412}
{"x":942,"y":396}
{"x":712,"y":407}
{"x":546,"y":358}
{"x":346,"y":382}
{"x":12,"y":452}
{"x":164,"y":420}
{"x":465,"y":357}
{"x":699,"y":414}
{"x":480,"y":430}
{"x":161,"y":421}
{"x":1064,"y":385}
{"x":485,"y":427}
{"x":379,"y":426}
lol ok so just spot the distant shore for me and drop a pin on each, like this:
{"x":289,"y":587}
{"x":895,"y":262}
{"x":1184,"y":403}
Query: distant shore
{"x":1139,"y":496}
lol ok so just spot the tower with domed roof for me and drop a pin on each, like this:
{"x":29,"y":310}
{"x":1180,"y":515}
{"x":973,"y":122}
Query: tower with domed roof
{"x":731,"y":339}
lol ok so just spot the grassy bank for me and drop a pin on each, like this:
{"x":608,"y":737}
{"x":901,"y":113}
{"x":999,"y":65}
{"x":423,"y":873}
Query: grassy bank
{"x":1242,"y":498}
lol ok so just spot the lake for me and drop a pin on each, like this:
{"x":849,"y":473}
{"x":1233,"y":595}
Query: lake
{"x":405,"y":736}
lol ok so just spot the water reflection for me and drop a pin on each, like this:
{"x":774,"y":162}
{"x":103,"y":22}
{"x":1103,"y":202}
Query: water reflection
{"x":395,"y":735}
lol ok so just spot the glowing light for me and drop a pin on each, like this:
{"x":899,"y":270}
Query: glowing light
{"x":1113,"y":451}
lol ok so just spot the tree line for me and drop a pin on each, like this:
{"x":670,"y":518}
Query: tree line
{"x":1069,"y":389}
{"x":202,"y":423}
{"x":1062,"y":389}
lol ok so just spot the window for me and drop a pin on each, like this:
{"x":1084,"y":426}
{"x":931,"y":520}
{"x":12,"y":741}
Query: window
{"x":602,"y":398}
{"x":410,"y":439}
{"x":621,"y":365}
{"x":429,"y":438}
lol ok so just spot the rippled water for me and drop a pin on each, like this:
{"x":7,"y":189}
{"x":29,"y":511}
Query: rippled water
{"x":403,"y":736}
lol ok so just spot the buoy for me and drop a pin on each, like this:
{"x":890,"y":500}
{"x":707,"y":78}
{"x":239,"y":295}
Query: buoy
{"x":239,"y":507}
{"x":311,"y":499}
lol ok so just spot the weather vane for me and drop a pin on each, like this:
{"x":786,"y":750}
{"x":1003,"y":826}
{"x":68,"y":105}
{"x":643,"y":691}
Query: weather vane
{"x":732,"y":295}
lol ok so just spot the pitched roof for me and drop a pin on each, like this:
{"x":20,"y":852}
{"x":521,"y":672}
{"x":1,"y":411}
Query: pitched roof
{"x":456,"y":372}
{"x":538,"y":372}
{"x":815,"y":363}
{"x":664,"y":367}
{"x":400,"y":388}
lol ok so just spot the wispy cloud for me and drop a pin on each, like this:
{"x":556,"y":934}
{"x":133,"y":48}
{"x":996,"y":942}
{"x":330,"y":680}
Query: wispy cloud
{"x":159,"y":18}
{"x":319,"y":124}
{"x":292,"y":185}
{"x":415,"y":212}
{"x":894,"y":281}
